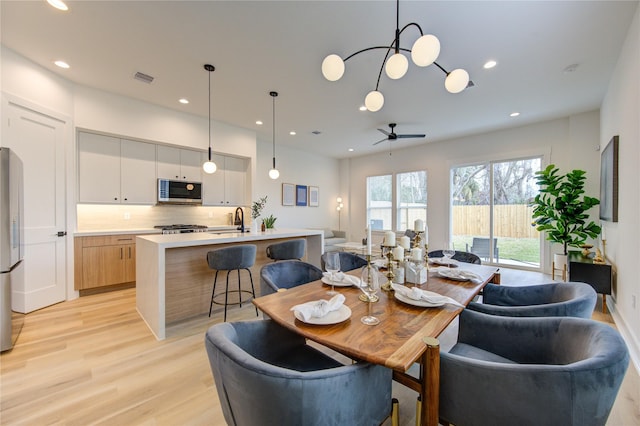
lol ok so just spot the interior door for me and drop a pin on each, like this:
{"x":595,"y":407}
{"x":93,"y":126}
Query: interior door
{"x":38,"y":139}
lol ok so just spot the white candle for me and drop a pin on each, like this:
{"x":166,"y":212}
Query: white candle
{"x":398,"y":253}
{"x":416,"y":254}
{"x":603,"y":235}
{"x":418,"y":225}
{"x":405,"y":242}
{"x":389,"y":238}
{"x":426,"y":234}
{"x":369,"y":241}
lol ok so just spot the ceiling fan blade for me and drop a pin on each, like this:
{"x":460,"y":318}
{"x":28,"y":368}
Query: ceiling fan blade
{"x":380,"y":141}
{"x":384,"y":132}
{"x":411,"y":136}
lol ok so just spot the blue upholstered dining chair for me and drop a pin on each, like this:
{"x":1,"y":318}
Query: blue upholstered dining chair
{"x":348,"y":261}
{"x":460,"y":256}
{"x":571,"y":299}
{"x":292,"y":249}
{"x":531,"y":371}
{"x":267,"y":375}
{"x":286,"y":274}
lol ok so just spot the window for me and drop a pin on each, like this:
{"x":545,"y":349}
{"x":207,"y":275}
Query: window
{"x":412,"y":199}
{"x":407,"y":198}
{"x":379,"y":201}
{"x":490,"y":209}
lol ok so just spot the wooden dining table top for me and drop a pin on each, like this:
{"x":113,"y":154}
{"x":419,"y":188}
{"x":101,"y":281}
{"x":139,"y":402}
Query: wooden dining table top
{"x":397,"y":341}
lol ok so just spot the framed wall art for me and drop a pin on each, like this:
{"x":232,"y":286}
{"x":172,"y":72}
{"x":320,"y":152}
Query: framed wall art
{"x":609,"y":181}
{"x":288,"y":194}
{"x":301,"y":195}
{"x":314,"y":193}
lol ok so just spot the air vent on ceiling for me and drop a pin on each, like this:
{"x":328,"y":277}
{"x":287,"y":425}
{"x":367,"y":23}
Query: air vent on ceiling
{"x":316,"y":132}
{"x":143,"y":77}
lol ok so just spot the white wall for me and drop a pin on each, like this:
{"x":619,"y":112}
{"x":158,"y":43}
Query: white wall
{"x":301,"y":168}
{"x":568,"y":142}
{"x":620,"y":115}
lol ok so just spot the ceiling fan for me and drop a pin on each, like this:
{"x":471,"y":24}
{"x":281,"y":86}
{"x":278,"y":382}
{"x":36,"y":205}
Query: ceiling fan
{"x":393,"y":135}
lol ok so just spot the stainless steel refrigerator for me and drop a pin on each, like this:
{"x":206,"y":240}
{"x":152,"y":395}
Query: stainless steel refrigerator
{"x":11,"y":244}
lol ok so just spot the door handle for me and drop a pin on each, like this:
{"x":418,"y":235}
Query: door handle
{"x":61,"y":233}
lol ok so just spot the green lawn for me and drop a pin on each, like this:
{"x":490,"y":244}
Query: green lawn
{"x":519,"y":249}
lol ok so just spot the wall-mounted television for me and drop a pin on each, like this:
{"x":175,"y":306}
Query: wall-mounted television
{"x":609,"y":181}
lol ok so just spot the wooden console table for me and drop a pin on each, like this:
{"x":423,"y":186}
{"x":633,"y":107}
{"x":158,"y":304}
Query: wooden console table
{"x":598,"y":275}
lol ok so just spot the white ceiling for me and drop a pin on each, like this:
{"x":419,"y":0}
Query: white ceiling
{"x":260,"y":46}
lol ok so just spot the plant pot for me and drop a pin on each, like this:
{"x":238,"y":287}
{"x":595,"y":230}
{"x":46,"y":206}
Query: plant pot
{"x":559,"y":260}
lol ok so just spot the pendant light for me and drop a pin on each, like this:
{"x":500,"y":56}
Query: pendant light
{"x":274,"y":173}
{"x":209,"y":166}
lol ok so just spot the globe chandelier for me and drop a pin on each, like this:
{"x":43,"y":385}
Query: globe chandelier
{"x":424,"y":52}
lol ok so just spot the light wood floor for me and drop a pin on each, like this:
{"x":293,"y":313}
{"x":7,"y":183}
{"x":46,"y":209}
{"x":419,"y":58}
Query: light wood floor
{"x":93,"y":361}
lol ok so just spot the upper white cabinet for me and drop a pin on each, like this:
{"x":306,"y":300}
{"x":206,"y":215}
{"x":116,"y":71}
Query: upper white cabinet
{"x":179,"y":163}
{"x":228,"y":185}
{"x":138,"y":172}
{"x":112,"y":170}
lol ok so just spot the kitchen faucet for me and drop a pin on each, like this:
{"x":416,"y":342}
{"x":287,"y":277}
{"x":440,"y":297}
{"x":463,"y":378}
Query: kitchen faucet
{"x":239,"y":219}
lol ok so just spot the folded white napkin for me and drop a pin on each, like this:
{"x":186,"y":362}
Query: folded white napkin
{"x":342,"y":278}
{"x":428,"y":296}
{"x":319,"y":308}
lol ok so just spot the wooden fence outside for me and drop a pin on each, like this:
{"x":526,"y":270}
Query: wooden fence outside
{"x":510,"y":221}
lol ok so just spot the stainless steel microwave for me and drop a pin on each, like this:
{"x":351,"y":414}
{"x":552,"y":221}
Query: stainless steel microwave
{"x":179,"y":192}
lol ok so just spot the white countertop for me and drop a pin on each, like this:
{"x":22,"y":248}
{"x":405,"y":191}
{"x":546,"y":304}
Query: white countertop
{"x":206,"y":238}
{"x":143,"y":231}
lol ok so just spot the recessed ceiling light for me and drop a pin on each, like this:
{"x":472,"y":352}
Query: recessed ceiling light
{"x":570,"y":68}
{"x":350,"y":150}
{"x":183,"y":101}
{"x":362,"y":108}
{"x":259,"y":123}
{"x":62,"y":64}
{"x":490,"y":64}
{"x":58,"y":4}
{"x":514,"y":114}
{"x":292,"y":133}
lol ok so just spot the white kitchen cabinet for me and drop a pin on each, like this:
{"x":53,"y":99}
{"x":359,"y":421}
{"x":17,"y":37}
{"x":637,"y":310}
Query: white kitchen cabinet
{"x":228,"y":185}
{"x":98,"y":168}
{"x":179,"y":164}
{"x":115,"y":171}
{"x":138,"y":172}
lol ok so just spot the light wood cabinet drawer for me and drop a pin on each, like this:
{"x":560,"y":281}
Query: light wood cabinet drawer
{"x":107,"y":240}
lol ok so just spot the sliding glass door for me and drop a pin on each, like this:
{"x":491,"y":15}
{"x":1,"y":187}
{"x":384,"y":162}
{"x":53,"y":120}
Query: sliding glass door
{"x":490,"y":212}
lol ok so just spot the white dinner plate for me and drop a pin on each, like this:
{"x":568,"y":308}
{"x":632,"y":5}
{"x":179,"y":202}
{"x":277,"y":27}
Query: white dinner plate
{"x":454,"y":274}
{"x":343,"y":313}
{"x":336,"y":283}
{"x":423,"y":303}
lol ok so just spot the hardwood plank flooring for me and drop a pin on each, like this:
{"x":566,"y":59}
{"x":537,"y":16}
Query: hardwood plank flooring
{"x":93,"y":361}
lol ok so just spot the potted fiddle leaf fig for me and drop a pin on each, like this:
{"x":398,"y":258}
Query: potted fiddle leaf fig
{"x":560,"y":209}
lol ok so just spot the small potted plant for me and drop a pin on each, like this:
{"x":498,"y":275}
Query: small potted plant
{"x":560,"y":210}
{"x":256,"y":209}
{"x":269,"y":221}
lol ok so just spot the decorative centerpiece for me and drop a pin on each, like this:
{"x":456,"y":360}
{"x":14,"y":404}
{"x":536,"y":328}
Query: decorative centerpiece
{"x":388,"y":244}
{"x":586,"y":249}
{"x":415,"y":272}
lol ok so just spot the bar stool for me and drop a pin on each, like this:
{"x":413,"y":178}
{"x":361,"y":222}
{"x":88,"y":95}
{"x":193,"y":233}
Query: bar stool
{"x":292,"y":249}
{"x":230,"y":259}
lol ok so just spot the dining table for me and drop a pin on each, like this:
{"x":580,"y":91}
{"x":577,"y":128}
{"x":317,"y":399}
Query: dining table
{"x":406,"y":333}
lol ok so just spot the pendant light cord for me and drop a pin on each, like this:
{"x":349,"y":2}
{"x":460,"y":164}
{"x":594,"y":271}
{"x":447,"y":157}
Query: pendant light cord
{"x":273,"y":96}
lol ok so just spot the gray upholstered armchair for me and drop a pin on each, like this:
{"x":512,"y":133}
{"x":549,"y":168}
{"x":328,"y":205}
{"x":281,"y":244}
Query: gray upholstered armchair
{"x":292,"y":249}
{"x":570,"y":299}
{"x":266,"y":375}
{"x":286,"y":274}
{"x":531,"y":371}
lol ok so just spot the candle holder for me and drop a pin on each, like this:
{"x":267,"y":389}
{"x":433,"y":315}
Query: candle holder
{"x":389,"y":253}
{"x":367,"y":275}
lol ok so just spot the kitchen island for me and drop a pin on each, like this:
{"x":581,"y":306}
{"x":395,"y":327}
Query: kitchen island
{"x":173,"y":279}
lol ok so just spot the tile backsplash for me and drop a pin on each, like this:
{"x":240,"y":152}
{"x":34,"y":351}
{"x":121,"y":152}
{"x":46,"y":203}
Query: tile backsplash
{"x":98,"y":217}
